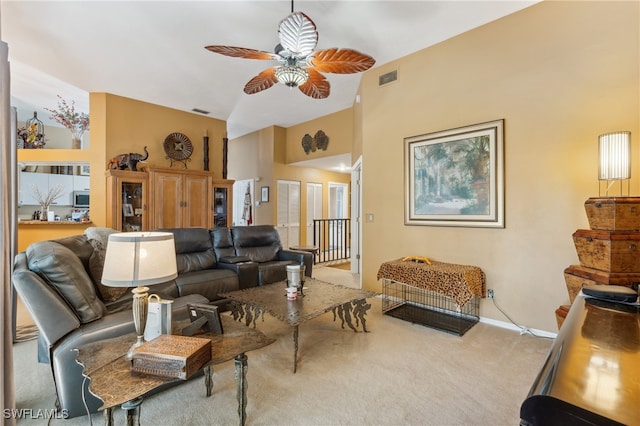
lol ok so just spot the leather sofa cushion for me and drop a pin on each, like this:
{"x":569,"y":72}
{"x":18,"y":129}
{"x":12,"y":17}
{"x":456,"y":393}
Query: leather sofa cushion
{"x":80,"y":246}
{"x":222,"y":242}
{"x":191,"y":262}
{"x":273,"y":272}
{"x":189,"y":240}
{"x":208,"y":283}
{"x":64,"y":271}
{"x":193,"y":249}
{"x":259,"y":243}
{"x":167,"y":290}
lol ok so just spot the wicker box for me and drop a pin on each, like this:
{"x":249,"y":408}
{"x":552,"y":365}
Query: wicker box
{"x":172,"y":356}
{"x":610,"y":251}
{"x":577,"y":276}
{"x":613,"y":213}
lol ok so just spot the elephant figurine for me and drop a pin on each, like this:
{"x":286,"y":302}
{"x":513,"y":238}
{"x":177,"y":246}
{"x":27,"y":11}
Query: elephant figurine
{"x":130,"y":160}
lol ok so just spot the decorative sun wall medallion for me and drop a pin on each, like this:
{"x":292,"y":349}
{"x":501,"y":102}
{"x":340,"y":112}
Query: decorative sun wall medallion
{"x":178,"y":147}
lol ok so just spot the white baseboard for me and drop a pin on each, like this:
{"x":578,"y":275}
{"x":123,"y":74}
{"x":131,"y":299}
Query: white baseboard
{"x":510,"y":326}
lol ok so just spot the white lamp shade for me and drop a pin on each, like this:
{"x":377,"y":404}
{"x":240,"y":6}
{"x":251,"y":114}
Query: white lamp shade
{"x":139,"y":259}
{"x":615,"y":156}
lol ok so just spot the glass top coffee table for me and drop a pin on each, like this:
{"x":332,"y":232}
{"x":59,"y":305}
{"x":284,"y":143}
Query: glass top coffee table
{"x":106,"y":365}
{"x":318,"y":297}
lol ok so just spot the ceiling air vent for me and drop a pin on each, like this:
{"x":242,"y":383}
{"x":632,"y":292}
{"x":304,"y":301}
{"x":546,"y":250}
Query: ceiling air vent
{"x":388,"y":78}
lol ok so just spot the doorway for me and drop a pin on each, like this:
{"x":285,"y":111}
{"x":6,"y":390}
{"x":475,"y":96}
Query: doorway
{"x":243,"y":197}
{"x":288,"y":219}
{"x":338,"y":200}
{"x":338,"y":209}
{"x":314,"y":209}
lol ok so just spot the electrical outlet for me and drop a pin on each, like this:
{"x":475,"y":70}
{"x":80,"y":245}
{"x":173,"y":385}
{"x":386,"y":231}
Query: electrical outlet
{"x":490,"y":293}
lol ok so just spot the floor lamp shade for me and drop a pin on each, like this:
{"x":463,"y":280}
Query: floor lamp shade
{"x":139,"y":259}
{"x":614,"y":150}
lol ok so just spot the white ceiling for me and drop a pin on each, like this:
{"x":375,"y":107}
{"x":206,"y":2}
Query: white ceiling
{"x":154,"y":51}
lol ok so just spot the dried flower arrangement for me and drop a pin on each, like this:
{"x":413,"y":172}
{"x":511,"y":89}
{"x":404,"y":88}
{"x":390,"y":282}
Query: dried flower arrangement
{"x":47,"y":199}
{"x":77,"y":123}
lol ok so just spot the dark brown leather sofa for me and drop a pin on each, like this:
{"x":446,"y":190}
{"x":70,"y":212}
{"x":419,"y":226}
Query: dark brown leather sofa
{"x":59,"y":283}
{"x":261,"y":245}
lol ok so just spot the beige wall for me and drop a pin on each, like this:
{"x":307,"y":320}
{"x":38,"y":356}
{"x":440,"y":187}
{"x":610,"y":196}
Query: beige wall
{"x":559,"y":74}
{"x":122,"y":125}
{"x":251,"y":157}
{"x":264,"y":154}
{"x":337,"y":126}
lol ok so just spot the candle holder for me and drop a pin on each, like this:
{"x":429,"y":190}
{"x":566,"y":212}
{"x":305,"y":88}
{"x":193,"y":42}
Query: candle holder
{"x":206,"y":151}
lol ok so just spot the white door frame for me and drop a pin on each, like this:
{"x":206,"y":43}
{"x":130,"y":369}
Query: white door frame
{"x":356,"y":218}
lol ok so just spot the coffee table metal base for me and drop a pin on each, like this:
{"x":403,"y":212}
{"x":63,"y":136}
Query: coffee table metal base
{"x":347,"y":304}
{"x":356,"y":309}
{"x":133,"y":407}
{"x":112,"y":381}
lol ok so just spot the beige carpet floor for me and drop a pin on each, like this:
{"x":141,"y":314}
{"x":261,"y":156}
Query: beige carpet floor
{"x":397,"y":374}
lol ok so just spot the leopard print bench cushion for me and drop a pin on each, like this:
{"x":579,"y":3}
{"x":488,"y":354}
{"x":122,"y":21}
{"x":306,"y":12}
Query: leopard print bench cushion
{"x":459,"y":282}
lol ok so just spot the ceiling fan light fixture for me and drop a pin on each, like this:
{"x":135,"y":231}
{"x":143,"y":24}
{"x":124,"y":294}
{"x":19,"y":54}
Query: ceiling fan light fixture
{"x":292,"y":76}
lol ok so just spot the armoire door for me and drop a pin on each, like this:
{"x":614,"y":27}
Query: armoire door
{"x":197,"y":202}
{"x":167,"y":194}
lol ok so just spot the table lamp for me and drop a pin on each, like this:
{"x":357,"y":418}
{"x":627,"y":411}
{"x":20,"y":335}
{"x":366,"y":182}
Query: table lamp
{"x":614,"y":152}
{"x":139,"y":259}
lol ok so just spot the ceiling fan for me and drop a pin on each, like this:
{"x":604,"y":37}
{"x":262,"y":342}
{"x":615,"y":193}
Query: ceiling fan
{"x":298,"y":64}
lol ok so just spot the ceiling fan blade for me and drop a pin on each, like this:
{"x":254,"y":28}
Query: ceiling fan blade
{"x":298,"y":34}
{"x":317,"y":86}
{"x":241,"y":52}
{"x":340,"y":61}
{"x":261,"y":82}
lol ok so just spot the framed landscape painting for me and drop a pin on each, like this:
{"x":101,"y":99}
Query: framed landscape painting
{"x":456,"y":177}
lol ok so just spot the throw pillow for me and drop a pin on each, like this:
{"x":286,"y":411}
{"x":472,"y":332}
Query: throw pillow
{"x":99,"y":238}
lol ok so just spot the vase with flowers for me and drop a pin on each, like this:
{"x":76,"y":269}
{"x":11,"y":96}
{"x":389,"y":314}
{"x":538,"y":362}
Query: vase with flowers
{"x":46,"y":199}
{"x":76,"y":122}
